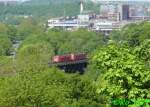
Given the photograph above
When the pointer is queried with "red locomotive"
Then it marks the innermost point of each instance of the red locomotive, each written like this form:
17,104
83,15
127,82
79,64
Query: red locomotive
69,57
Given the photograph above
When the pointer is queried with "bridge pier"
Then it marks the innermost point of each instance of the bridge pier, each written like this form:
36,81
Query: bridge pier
72,68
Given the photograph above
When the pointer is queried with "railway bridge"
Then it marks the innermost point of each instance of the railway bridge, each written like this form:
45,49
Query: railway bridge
77,64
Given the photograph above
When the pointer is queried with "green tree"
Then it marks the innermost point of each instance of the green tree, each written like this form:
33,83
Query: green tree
47,88
6,65
69,42
28,27
134,34
3,28
143,52
34,56
5,44
122,74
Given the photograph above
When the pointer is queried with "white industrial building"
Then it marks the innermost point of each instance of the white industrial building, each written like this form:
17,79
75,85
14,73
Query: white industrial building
83,18
66,23
106,27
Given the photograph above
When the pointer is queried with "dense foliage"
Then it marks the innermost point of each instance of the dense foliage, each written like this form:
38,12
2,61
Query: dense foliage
119,69
134,34
6,65
49,88
123,75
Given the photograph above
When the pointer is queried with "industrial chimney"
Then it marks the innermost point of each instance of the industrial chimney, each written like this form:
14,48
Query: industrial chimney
81,6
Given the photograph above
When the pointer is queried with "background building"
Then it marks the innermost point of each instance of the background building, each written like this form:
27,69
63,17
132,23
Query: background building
125,12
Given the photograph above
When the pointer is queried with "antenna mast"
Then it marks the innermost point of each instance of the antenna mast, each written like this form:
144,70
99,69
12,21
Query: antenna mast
81,6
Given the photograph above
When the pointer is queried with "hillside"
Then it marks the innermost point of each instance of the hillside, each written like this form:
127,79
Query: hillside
57,7
44,8
45,2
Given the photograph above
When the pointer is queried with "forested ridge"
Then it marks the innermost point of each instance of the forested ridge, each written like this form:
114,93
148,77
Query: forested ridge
43,9
119,67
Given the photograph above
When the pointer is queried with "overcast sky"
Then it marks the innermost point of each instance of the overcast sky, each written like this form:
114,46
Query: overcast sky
91,0
120,0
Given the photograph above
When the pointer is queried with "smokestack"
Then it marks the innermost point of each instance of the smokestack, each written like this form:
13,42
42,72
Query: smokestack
81,6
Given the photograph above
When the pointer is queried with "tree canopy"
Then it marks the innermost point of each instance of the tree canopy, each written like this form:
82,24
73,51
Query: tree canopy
118,69
49,88
134,34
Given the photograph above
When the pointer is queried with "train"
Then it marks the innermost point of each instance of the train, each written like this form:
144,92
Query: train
69,58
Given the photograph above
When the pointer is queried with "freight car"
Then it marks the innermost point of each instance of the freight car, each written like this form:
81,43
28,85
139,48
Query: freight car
61,58
68,58
75,57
